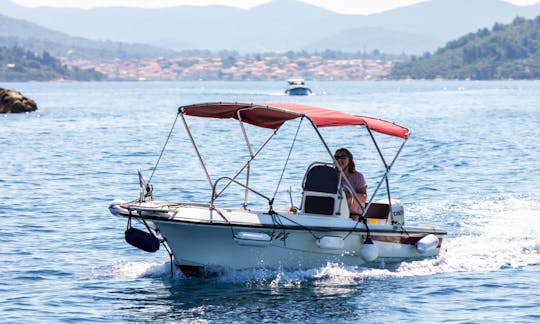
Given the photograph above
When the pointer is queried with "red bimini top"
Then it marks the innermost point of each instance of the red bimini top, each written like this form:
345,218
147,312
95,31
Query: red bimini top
273,115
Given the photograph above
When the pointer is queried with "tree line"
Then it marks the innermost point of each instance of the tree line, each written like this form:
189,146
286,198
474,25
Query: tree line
509,51
19,65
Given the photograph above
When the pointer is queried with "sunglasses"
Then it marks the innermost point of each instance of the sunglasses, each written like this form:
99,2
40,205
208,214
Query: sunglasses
340,157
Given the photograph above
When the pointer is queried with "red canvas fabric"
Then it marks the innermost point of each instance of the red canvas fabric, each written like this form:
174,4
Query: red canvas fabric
273,115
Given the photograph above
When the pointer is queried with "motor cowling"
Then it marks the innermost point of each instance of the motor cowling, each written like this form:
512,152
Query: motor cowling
397,213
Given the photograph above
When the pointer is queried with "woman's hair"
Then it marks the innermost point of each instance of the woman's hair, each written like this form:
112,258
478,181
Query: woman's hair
352,166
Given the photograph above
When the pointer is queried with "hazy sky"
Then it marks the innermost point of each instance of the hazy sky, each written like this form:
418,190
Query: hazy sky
342,6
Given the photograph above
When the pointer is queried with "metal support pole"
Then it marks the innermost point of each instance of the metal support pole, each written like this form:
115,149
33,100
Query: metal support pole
248,170
385,166
347,182
246,165
385,175
197,151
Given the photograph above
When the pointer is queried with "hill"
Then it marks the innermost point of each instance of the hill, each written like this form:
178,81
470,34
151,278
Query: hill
277,25
18,65
505,52
20,33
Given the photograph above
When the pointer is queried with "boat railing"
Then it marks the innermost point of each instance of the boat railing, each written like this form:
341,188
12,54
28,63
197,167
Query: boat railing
232,180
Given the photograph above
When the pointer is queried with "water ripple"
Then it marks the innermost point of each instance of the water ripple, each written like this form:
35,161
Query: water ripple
64,259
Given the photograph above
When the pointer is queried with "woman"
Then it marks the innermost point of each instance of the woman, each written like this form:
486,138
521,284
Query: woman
345,161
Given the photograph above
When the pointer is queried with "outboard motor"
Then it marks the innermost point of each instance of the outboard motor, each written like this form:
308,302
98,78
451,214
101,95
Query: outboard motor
397,213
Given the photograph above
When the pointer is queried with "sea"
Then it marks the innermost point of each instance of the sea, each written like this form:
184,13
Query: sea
470,166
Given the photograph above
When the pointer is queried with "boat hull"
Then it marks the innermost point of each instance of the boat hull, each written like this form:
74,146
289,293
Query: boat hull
215,247
298,91
236,239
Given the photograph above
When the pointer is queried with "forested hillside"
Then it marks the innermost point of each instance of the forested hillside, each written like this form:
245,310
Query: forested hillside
17,65
505,52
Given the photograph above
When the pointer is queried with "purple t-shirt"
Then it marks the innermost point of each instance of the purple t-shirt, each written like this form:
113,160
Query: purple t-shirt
358,182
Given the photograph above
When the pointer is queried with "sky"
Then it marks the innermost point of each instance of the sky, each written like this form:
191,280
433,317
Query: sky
341,6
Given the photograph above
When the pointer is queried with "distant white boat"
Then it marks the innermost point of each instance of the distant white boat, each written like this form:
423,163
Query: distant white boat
297,87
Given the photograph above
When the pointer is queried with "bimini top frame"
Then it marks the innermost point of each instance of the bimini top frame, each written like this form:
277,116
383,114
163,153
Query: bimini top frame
273,115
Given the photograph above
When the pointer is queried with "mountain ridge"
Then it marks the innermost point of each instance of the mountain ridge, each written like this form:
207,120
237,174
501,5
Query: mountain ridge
277,25
20,33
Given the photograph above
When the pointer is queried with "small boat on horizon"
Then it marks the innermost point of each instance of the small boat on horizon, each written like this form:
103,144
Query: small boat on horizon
297,87
204,238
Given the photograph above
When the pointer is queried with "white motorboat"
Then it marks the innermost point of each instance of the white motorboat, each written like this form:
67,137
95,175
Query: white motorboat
204,237
297,87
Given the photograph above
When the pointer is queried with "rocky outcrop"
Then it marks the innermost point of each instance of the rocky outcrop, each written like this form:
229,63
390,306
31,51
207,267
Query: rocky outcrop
12,101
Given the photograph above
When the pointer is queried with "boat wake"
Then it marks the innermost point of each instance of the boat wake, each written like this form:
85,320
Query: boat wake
496,234
133,270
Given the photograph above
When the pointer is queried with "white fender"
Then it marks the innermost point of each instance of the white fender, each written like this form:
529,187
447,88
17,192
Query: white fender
331,242
427,243
252,239
369,251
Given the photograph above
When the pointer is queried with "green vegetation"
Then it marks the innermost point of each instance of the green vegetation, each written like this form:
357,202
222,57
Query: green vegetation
505,52
18,65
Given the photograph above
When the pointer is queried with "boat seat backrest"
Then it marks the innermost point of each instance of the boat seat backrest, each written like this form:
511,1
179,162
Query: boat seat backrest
322,178
321,186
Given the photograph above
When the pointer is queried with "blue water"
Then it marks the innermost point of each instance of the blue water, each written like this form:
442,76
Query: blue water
470,166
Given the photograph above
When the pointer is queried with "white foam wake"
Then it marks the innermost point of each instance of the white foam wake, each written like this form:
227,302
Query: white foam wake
503,233
134,270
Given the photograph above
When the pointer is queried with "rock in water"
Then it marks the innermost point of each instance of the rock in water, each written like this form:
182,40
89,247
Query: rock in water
12,101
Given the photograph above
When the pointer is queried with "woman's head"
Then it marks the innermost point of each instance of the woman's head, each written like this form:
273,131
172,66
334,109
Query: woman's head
345,160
